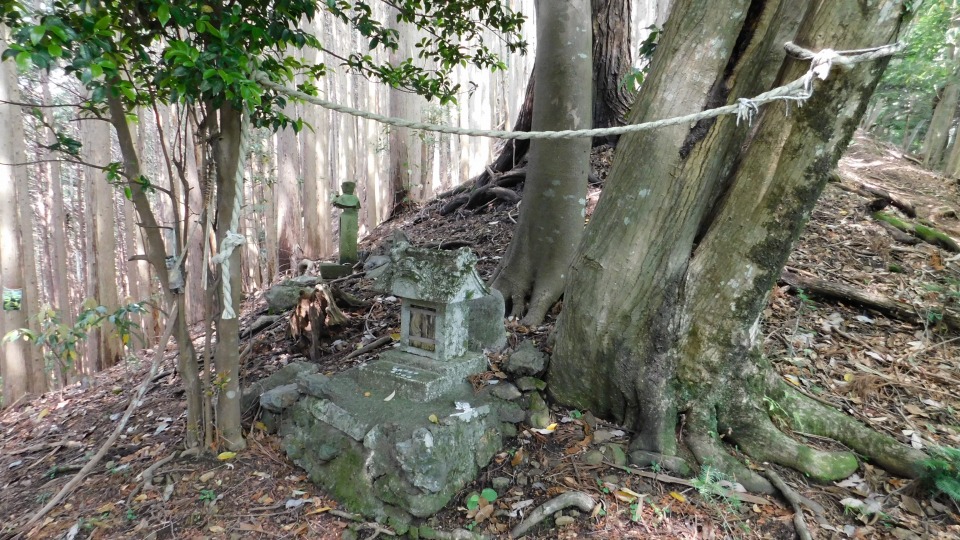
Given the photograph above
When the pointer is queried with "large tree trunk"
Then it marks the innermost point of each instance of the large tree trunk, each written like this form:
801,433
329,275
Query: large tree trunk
227,358
551,215
611,65
14,355
661,310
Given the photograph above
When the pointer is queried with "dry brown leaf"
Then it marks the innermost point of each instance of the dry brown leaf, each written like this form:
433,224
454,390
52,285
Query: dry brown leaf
517,457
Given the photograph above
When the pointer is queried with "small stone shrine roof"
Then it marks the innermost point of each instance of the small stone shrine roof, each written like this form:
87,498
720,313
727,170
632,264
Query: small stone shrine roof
430,275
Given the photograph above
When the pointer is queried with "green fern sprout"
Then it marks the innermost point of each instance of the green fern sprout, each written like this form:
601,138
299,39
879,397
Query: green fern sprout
941,471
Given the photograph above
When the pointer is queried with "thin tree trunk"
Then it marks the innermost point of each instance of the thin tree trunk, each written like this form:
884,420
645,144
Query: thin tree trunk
317,230
14,355
532,273
271,191
227,357
96,150
156,255
288,225
57,231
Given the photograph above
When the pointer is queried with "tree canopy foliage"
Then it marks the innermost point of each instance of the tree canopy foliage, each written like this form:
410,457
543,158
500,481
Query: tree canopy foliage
152,50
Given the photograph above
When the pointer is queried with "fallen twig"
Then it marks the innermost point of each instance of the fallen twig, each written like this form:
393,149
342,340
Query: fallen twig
369,347
147,476
43,446
571,498
134,402
797,501
660,477
893,308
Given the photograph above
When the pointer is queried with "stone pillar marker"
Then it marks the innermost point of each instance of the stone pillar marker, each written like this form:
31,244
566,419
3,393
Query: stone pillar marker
349,203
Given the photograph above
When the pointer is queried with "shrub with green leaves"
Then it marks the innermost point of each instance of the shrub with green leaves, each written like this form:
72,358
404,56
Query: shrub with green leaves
941,472
61,343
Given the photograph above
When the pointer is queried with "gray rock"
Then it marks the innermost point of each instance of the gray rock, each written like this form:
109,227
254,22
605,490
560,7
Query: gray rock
527,360
285,375
510,412
617,454
500,483
528,384
280,398
539,414
601,436
485,322
593,457
506,391
305,281
283,296
313,384
563,521
509,430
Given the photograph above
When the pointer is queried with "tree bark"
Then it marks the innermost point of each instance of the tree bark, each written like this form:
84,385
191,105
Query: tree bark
156,255
661,317
551,214
54,197
96,151
935,142
14,355
288,225
611,65
227,357
317,227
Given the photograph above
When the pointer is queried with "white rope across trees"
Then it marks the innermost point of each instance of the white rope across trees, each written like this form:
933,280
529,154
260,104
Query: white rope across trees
798,91
233,239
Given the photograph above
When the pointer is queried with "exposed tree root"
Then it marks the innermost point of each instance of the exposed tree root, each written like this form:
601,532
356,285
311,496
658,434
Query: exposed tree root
571,498
760,439
797,501
806,415
660,477
758,431
674,464
528,298
703,439
495,189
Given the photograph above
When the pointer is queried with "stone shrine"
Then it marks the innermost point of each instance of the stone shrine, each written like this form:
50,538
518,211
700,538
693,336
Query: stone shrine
399,437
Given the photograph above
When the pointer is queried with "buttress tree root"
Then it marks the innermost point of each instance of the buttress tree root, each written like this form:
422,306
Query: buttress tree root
769,434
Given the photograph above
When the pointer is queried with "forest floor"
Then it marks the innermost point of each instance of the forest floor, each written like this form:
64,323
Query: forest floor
898,376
